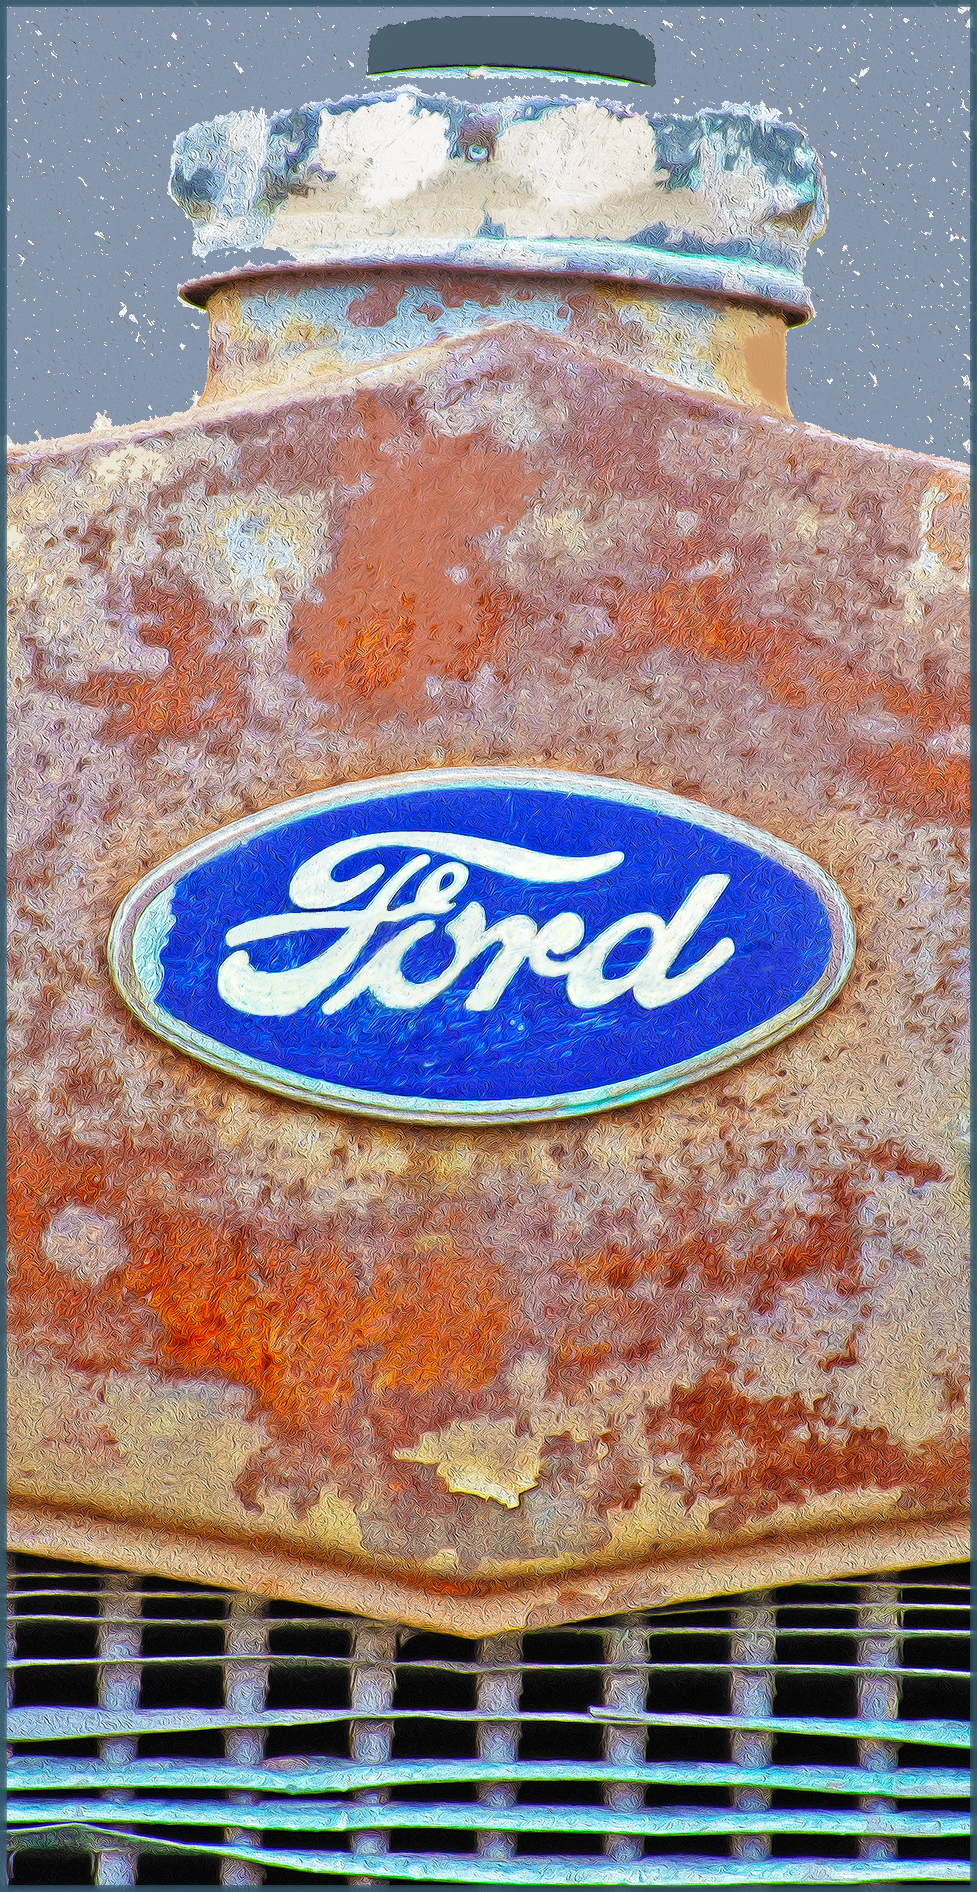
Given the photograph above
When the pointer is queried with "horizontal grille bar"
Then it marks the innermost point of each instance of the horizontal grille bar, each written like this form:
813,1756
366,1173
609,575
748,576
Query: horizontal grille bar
903,1783
694,1626
81,1724
287,1660
552,1870
308,1816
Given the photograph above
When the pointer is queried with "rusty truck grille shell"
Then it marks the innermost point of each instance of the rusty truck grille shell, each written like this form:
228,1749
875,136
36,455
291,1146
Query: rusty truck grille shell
163,1732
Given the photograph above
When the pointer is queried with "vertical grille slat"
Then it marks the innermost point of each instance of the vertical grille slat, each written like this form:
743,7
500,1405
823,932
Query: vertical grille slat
625,1689
119,1649
615,1751
10,1859
751,1692
878,1694
498,1689
246,1690
371,1691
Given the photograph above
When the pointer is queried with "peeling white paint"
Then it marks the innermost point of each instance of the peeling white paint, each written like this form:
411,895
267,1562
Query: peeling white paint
483,1457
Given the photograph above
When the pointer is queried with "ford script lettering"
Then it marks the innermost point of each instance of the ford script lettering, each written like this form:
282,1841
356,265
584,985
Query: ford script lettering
509,943
488,945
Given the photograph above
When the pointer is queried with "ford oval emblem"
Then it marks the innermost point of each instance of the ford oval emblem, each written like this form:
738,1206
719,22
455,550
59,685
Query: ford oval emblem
489,945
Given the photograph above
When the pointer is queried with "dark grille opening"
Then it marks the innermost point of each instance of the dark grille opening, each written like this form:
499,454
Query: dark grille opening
798,1846
196,1745
691,1796
935,1695
58,1750
312,1672
817,1725
283,1876
816,1633
61,1869
809,1750
328,1741
553,1840
198,1683
65,1657
561,1678
702,1846
431,1839
933,1848
797,1797
680,1687
172,1869
433,1677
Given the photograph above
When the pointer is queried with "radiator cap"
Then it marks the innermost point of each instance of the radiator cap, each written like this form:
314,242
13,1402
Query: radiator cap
725,202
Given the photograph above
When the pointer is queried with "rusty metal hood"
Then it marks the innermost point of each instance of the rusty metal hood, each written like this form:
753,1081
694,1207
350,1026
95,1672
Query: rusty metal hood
484,1375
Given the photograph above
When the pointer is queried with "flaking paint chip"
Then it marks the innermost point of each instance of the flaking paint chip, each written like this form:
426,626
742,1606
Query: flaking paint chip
482,1458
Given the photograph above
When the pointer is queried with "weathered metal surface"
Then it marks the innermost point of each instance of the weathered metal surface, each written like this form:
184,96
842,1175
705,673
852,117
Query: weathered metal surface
282,325
725,202
517,1374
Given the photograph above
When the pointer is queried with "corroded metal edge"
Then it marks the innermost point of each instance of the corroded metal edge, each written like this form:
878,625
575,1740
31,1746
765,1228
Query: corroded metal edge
848,1551
728,277
28,456
126,977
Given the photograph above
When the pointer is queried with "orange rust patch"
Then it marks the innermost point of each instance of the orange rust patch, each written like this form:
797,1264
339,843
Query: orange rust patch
346,1368
949,533
273,1313
904,778
621,1305
568,1470
892,1157
292,1324
411,594
94,1329
703,618
377,305
323,1356
287,1318
198,692
954,1388
455,290
785,1451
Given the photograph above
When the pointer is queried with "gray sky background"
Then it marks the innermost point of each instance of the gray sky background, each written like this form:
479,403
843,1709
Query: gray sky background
97,248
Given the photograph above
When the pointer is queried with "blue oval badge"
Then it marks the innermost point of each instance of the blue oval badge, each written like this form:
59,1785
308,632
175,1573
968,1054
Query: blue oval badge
486,944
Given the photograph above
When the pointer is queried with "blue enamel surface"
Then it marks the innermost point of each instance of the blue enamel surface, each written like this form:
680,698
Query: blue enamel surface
534,1043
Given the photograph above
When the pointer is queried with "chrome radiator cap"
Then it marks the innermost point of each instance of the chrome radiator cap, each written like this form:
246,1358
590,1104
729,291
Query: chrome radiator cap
725,202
